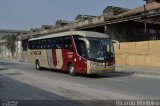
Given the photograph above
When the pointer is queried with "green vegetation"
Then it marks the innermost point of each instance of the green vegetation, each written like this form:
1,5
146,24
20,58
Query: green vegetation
10,43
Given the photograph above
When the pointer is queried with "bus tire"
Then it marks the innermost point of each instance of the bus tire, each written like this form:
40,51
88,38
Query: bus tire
71,69
38,67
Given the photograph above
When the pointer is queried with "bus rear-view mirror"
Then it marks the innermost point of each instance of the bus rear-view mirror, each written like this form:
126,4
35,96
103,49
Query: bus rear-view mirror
115,41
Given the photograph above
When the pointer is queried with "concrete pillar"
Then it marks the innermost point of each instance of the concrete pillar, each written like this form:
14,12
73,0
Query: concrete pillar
5,52
105,29
0,51
16,51
1,47
19,49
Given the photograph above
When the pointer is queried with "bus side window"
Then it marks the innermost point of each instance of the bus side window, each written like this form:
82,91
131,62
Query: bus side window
44,44
48,44
62,42
33,45
58,43
53,43
81,49
30,44
68,43
38,44
76,40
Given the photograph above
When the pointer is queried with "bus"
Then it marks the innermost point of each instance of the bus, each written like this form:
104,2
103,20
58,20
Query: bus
76,52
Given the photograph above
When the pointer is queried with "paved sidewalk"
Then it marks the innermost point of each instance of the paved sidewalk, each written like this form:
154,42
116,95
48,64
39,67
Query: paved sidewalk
13,60
138,70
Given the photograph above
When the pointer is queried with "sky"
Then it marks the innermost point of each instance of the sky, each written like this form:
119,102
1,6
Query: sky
27,14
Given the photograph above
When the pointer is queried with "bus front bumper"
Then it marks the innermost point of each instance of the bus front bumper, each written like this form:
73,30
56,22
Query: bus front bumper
99,70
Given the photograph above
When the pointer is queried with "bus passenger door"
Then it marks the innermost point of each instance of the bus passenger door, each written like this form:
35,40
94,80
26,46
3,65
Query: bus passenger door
81,49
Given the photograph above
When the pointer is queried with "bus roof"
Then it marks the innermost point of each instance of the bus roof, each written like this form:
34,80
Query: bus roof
82,33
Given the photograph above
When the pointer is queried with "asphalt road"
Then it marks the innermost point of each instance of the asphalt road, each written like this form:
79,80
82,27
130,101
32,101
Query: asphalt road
21,81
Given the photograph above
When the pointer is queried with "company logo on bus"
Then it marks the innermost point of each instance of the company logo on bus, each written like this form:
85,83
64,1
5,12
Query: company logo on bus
70,54
35,53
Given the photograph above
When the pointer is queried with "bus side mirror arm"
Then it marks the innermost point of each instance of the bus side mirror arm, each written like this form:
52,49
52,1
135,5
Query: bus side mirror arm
86,41
115,41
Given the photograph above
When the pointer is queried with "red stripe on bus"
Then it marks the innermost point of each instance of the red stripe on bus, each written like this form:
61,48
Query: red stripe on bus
54,57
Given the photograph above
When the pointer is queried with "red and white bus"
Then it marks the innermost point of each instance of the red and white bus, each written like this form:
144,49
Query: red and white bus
81,52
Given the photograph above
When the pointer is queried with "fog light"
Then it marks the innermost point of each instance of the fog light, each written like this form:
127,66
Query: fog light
106,63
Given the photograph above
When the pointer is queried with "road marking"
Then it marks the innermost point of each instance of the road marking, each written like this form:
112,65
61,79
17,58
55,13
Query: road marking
117,80
74,84
147,76
79,85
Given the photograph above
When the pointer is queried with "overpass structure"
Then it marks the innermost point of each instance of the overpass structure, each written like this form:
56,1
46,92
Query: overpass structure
110,21
139,24
4,32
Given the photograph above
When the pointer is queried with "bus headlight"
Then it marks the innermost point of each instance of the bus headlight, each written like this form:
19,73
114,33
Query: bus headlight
92,65
105,64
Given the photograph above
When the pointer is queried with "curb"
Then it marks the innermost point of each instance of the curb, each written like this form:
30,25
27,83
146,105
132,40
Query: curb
14,61
139,70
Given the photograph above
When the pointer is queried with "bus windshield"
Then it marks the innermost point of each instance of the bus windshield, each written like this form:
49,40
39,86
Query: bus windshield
100,49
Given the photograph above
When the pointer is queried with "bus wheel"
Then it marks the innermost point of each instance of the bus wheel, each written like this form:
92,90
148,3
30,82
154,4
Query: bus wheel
71,70
38,65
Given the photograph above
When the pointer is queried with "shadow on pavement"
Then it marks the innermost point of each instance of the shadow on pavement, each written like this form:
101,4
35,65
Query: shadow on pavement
28,95
8,63
110,75
3,69
53,70
105,75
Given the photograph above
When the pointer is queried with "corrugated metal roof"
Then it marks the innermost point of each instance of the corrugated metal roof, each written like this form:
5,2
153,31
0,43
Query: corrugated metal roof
139,10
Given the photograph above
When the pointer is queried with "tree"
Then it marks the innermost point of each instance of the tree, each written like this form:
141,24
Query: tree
10,43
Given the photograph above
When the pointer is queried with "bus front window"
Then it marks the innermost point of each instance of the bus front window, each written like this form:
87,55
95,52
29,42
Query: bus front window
100,49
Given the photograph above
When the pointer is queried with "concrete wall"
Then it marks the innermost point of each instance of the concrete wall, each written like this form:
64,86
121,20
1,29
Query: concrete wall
146,54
